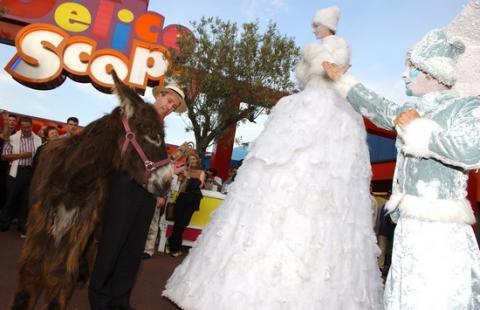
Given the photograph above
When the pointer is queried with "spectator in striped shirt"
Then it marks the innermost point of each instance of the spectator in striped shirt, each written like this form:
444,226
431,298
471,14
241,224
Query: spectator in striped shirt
19,151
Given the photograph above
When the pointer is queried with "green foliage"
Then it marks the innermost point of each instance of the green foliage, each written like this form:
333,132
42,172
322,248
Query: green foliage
222,65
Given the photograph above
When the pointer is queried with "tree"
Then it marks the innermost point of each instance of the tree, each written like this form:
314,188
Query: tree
219,67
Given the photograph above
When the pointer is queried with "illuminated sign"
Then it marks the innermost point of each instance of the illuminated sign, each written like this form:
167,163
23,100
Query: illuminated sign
85,39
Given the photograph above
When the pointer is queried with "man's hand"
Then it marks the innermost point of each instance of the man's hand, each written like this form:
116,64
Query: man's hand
25,154
333,71
404,118
12,157
160,202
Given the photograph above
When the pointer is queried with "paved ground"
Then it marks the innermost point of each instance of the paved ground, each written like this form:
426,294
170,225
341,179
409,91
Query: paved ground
151,279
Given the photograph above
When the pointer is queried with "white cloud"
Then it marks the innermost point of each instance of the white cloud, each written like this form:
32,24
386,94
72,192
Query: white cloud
278,3
248,132
38,108
391,90
175,129
89,90
264,9
6,79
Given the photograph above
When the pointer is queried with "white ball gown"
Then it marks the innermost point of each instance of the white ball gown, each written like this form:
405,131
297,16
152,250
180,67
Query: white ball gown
295,231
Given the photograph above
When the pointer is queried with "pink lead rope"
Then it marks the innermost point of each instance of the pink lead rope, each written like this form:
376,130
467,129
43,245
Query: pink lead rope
130,139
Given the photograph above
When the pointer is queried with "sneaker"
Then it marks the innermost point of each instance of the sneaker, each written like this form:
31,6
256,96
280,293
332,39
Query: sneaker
176,254
145,255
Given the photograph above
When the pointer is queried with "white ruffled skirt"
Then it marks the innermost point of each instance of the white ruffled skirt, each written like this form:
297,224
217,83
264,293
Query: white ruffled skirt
295,231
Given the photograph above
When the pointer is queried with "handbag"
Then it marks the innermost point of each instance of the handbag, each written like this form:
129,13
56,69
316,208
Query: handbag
170,211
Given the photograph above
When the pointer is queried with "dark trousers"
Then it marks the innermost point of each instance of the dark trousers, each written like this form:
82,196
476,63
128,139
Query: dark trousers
182,216
16,202
125,224
4,168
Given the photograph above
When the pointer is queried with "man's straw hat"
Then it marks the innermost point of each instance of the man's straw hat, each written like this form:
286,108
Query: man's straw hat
174,89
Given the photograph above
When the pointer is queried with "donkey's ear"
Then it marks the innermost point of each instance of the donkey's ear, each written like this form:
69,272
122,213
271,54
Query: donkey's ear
129,99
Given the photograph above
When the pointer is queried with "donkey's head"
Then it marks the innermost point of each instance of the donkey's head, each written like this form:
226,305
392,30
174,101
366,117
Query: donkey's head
147,136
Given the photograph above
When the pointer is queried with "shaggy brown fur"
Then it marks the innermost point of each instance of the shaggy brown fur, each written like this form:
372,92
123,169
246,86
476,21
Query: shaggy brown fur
69,190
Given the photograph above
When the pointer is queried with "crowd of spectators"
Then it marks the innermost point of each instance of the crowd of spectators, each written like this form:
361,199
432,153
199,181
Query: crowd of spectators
19,156
190,178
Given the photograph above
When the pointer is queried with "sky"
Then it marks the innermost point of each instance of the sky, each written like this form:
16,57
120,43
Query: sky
379,33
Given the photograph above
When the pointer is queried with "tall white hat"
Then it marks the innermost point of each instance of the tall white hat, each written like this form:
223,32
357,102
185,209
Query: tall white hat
328,17
466,26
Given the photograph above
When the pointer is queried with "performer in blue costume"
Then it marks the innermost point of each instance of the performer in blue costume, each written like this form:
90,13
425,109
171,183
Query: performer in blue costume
436,260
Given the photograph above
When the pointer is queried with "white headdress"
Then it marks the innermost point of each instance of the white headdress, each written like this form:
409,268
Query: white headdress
466,26
328,17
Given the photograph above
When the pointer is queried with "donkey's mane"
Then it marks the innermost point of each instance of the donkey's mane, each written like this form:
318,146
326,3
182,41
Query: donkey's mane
68,167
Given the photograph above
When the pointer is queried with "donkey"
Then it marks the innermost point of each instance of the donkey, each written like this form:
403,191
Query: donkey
70,189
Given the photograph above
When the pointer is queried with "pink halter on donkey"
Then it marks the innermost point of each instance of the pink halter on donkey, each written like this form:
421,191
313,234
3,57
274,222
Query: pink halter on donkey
130,139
